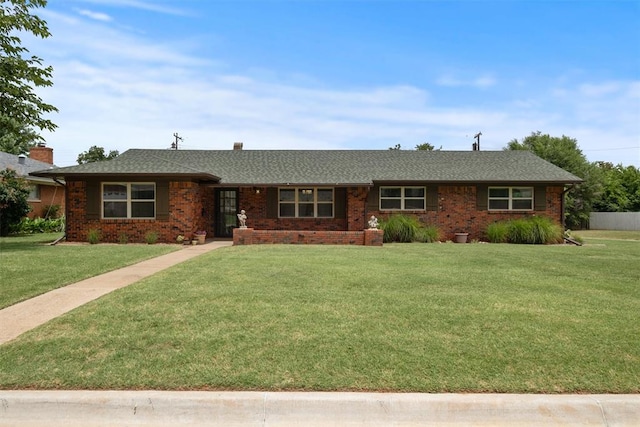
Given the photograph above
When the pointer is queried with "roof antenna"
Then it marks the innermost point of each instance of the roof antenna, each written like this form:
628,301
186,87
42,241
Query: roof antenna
174,144
476,145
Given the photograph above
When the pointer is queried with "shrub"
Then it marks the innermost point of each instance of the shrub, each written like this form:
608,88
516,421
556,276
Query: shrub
406,229
428,234
123,238
38,225
533,230
151,237
51,211
93,236
400,228
498,232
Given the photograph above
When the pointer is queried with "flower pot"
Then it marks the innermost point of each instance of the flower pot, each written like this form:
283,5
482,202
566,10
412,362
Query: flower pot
461,237
200,238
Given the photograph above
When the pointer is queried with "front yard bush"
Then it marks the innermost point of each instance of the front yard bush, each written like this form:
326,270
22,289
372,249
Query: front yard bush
407,229
38,225
533,230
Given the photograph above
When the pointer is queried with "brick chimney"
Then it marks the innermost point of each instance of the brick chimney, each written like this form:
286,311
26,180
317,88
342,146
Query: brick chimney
41,153
237,146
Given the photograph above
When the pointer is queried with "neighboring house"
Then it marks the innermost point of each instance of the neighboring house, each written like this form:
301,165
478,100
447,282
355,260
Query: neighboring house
45,191
318,196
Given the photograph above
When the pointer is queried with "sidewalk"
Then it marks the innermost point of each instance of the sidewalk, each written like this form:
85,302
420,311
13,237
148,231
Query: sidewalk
19,318
160,408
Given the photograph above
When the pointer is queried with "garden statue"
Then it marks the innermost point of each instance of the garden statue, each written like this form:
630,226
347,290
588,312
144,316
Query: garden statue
373,223
242,217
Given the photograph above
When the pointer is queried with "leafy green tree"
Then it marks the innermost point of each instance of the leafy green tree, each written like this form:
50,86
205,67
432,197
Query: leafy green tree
621,188
396,147
565,153
425,146
96,154
21,110
14,192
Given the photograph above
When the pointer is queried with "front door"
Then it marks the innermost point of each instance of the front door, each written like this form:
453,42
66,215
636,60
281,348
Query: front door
226,211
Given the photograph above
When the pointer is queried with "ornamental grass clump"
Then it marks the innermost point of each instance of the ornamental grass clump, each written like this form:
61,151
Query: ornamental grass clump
533,230
407,229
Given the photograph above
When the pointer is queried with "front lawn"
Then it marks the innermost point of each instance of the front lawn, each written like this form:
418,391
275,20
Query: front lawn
29,266
404,317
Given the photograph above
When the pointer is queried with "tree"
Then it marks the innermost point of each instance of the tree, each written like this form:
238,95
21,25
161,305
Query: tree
397,147
425,146
21,110
565,153
14,192
96,154
621,188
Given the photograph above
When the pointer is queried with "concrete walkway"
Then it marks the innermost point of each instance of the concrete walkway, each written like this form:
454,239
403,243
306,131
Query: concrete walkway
160,408
19,318
175,408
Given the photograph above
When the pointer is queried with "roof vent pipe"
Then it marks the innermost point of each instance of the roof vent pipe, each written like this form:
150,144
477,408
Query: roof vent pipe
237,146
21,159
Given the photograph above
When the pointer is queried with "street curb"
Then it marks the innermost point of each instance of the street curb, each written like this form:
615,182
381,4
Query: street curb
162,408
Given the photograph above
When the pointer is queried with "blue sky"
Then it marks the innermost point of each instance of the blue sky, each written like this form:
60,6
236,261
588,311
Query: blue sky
342,74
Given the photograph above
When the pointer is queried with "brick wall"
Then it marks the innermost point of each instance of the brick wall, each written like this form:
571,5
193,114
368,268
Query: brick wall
457,212
249,236
49,195
186,207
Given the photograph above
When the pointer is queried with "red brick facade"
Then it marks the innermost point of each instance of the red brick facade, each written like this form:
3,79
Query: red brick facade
49,195
192,207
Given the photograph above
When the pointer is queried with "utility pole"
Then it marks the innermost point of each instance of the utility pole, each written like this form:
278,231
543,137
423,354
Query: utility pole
476,145
174,145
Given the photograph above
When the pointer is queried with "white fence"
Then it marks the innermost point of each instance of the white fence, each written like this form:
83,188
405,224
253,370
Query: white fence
614,221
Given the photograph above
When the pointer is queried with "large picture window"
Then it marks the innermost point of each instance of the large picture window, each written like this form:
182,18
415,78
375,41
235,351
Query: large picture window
510,198
308,202
128,200
402,198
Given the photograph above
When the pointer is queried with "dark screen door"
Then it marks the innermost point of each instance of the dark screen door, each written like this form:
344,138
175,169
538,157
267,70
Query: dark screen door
226,211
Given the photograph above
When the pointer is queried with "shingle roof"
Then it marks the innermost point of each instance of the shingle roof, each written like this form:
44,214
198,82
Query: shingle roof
11,161
346,167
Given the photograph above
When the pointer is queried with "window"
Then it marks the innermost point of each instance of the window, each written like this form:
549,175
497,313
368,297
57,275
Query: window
402,198
34,194
511,199
128,200
307,202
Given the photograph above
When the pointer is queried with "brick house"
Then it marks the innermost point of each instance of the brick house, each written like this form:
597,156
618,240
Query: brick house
45,191
305,196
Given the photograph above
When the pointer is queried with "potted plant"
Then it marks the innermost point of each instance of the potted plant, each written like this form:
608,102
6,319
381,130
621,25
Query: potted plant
200,236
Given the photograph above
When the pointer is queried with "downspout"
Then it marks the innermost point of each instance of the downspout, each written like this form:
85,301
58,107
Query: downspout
64,236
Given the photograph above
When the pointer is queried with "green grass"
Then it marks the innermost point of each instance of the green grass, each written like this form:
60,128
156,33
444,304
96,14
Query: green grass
30,267
404,317
608,234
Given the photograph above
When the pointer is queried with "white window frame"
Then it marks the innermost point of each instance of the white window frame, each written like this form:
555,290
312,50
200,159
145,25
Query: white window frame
129,201
403,198
510,198
296,202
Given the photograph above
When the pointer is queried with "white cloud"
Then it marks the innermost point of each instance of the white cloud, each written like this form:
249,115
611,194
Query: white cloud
98,16
142,5
480,82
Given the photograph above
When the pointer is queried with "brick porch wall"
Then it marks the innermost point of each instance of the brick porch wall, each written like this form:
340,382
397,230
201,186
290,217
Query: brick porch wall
249,236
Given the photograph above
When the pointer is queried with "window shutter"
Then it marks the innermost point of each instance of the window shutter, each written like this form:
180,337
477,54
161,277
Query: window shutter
540,198
162,200
373,199
93,200
272,203
340,202
432,198
482,197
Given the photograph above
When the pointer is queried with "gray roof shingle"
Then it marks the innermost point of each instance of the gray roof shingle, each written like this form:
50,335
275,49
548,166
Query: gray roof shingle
345,167
11,161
